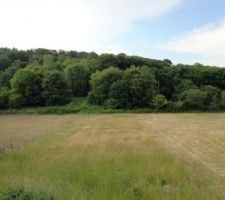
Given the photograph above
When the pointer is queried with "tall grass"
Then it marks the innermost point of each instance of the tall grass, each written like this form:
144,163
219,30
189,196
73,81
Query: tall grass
104,158
78,105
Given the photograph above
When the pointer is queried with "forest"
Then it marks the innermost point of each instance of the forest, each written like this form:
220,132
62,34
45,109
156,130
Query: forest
42,77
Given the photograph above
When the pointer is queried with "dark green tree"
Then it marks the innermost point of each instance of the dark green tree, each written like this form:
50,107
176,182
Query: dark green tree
120,94
78,76
56,90
213,101
101,82
223,99
27,83
194,99
4,98
142,85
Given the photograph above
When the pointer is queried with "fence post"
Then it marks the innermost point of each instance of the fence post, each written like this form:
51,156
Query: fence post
2,150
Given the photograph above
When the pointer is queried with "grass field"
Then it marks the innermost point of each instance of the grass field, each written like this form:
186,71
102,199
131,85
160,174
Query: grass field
119,156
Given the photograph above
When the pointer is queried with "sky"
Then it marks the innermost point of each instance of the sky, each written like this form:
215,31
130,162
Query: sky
185,31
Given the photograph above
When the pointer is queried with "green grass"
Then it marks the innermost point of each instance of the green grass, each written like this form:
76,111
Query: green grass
78,105
23,194
123,175
104,158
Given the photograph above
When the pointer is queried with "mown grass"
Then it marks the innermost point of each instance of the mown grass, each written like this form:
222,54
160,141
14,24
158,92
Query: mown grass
104,157
18,130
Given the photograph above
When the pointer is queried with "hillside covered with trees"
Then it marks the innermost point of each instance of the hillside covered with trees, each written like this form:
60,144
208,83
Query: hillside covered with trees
41,77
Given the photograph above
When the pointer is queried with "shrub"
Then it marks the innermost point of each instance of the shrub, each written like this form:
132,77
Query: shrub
174,106
159,101
112,103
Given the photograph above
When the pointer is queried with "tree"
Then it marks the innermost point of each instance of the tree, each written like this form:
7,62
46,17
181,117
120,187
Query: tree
4,98
213,101
142,85
159,101
56,89
16,100
168,79
106,60
194,99
123,62
78,76
120,94
48,61
101,82
185,84
223,99
27,83
6,76
167,62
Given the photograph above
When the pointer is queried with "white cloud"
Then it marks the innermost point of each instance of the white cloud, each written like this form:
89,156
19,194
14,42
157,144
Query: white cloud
73,24
208,43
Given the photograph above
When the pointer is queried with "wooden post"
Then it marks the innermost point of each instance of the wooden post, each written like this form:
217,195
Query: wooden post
2,150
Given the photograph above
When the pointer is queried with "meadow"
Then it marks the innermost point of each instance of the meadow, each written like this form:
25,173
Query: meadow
115,156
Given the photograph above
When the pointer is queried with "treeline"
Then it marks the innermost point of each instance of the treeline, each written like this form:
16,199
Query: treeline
41,77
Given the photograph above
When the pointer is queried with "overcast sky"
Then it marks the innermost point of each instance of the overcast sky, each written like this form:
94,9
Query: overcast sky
186,31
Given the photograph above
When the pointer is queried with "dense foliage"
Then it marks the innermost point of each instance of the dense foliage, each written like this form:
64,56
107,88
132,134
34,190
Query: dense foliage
41,77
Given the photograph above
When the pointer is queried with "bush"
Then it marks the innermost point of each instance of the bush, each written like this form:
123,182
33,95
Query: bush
4,98
159,101
174,106
112,103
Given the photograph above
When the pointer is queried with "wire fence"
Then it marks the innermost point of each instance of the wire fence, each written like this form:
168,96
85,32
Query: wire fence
9,147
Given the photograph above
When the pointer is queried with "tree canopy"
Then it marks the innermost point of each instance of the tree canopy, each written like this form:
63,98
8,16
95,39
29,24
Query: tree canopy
43,77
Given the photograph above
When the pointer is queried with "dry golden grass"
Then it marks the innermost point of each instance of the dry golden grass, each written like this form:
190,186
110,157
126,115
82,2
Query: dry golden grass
93,145
15,129
193,137
196,138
